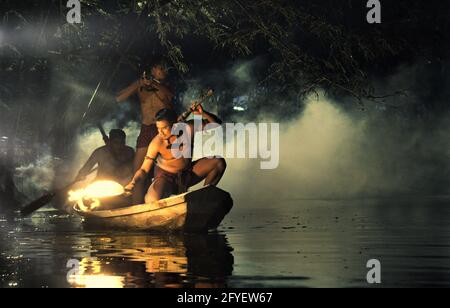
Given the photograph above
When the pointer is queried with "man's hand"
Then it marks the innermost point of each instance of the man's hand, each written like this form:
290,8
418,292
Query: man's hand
144,82
149,84
196,110
130,187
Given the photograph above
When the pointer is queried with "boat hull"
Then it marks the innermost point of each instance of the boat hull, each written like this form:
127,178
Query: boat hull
197,211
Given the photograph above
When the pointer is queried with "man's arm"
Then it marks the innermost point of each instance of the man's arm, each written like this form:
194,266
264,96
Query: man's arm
86,169
208,118
149,160
211,118
127,92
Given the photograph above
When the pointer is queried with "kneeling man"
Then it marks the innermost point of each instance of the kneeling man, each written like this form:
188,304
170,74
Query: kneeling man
174,175
114,160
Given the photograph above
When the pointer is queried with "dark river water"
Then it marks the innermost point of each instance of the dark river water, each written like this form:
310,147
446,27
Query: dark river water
295,243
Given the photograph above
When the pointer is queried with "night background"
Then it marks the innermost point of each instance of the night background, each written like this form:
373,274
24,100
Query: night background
364,121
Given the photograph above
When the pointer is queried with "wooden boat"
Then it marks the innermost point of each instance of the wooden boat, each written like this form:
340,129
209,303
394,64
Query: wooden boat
197,211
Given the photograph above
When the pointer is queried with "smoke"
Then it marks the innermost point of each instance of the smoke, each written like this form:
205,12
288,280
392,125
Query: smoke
329,148
329,152
48,172
334,149
34,178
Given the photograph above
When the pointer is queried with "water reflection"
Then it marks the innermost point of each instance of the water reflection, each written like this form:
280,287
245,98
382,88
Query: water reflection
156,261
35,253
298,243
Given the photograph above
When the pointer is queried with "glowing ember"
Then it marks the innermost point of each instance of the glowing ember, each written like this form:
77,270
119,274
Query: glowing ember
88,198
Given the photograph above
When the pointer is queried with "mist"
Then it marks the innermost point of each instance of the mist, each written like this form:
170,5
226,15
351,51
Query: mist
335,148
329,147
330,153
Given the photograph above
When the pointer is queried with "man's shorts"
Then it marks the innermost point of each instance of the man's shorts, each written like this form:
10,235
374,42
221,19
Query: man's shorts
177,183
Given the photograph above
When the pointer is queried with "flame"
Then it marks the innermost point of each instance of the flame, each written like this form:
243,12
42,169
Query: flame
94,192
104,189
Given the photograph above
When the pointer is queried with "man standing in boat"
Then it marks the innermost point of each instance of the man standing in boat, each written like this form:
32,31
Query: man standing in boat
114,160
175,175
154,94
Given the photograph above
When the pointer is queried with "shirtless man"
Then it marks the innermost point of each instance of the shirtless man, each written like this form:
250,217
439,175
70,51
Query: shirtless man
175,175
154,95
114,160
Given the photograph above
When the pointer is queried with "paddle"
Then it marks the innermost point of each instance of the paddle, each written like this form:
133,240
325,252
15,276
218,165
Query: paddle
102,131
47,198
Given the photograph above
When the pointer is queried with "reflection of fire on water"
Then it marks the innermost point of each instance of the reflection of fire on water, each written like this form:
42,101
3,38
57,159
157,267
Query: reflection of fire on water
156,259
95,279
88,198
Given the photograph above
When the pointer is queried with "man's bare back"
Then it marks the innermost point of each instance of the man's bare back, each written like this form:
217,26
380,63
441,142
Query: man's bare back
112,167
115,167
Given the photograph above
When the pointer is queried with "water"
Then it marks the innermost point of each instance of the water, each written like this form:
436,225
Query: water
293,243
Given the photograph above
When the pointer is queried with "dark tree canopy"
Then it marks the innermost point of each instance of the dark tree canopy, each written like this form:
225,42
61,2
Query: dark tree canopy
49,68
308,44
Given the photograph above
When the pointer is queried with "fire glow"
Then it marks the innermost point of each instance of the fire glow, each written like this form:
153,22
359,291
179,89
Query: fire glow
89,198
